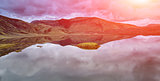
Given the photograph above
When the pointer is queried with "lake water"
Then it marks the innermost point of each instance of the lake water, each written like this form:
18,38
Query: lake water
129,59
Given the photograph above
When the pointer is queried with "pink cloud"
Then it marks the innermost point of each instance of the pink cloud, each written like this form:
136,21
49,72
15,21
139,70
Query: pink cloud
106,9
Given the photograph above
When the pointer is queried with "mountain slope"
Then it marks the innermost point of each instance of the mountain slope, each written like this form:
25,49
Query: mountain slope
9,26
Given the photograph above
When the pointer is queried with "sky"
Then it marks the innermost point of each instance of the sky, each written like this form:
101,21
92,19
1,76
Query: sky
116,10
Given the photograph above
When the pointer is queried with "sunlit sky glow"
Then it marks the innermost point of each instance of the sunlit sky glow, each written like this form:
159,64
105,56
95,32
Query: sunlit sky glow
138,2
114,10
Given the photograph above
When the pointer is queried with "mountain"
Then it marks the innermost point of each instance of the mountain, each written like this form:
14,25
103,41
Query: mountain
9,26
79,25
90,25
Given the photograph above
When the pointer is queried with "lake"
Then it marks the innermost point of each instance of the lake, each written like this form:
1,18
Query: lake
120,58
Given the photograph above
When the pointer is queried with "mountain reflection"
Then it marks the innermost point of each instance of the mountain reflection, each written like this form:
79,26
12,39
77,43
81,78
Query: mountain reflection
17,44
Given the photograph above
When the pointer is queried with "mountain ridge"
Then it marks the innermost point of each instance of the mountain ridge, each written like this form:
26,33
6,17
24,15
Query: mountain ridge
78,25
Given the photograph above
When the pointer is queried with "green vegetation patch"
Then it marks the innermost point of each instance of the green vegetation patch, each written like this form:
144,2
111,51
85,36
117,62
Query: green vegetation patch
88,45
4,46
